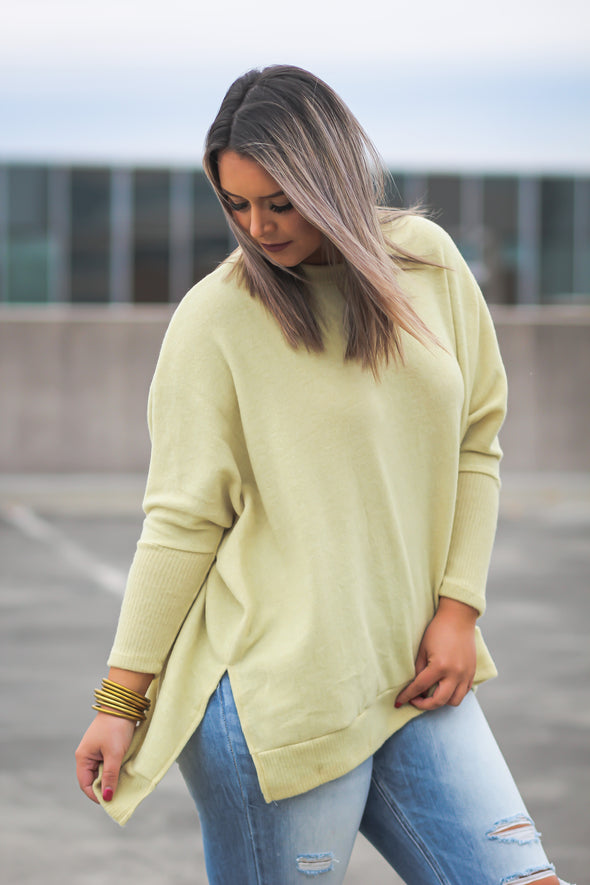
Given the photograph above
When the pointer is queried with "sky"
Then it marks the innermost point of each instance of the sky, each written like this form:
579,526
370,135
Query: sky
451,85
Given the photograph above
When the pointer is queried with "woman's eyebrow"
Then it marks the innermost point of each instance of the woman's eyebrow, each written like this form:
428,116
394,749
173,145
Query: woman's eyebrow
267,197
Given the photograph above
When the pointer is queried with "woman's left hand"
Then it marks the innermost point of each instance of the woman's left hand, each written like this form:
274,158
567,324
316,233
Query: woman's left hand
446,658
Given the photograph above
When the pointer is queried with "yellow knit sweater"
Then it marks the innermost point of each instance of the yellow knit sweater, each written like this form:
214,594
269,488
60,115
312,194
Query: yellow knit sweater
302,520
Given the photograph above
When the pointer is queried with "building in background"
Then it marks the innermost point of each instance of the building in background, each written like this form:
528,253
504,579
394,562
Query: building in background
92,235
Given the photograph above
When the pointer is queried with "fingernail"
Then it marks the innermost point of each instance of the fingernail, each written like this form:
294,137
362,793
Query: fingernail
107,794
398,704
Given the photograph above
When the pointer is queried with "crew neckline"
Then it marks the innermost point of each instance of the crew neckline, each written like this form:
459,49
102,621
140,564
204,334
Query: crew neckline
322,272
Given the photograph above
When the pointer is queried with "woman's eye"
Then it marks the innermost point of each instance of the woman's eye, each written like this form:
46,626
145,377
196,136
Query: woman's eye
284,208
242,206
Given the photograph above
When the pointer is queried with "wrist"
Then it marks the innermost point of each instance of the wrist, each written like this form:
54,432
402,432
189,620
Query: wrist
116,699
457,610
107,713
138,682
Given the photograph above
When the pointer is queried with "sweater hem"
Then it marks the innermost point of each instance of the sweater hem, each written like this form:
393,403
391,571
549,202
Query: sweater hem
289,771
298,768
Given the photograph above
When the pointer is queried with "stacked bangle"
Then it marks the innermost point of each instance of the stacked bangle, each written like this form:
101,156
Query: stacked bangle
116,700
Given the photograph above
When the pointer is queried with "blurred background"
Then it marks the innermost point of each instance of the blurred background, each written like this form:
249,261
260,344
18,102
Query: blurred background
481,112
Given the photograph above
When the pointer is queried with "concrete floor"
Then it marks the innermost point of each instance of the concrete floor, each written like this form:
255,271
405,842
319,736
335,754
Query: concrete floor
65,544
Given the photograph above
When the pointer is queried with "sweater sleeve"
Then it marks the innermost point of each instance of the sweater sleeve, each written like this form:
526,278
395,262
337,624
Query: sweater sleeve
476,508
193,491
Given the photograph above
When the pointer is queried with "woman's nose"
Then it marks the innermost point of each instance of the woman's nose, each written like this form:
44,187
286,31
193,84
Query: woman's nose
260,223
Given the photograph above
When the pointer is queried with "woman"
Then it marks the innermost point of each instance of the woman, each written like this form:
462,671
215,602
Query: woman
320,511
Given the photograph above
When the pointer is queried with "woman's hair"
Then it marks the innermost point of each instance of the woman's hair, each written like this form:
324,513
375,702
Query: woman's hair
303,135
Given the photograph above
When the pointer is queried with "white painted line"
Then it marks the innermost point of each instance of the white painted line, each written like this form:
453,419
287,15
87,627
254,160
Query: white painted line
89,566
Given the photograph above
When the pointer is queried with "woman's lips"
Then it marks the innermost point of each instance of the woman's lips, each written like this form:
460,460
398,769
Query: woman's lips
275,247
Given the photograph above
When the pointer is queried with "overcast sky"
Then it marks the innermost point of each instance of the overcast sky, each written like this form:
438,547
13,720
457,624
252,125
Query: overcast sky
437,83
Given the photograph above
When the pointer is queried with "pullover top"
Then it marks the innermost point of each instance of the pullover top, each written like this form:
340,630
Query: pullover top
303,518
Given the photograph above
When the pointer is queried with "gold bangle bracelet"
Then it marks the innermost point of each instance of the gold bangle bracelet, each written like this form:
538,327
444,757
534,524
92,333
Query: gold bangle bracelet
108,701
130,718
117,700
126,714
144,703
107,692
115,686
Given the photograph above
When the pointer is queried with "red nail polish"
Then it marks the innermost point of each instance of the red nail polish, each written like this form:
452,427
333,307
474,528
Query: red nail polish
397,704
107,794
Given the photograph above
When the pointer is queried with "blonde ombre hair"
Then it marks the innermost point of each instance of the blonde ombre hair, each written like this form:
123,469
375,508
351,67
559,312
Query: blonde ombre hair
303,135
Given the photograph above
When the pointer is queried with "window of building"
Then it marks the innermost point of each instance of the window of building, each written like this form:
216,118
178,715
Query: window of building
89,236
581,281
27,248
443,198
395,190
557,239
151,239
500,218
211,233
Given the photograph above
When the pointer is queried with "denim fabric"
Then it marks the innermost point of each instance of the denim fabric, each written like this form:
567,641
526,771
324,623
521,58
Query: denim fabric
437,800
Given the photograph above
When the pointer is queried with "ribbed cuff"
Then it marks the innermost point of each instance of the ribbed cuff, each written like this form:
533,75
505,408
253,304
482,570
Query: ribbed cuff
474,529
162,585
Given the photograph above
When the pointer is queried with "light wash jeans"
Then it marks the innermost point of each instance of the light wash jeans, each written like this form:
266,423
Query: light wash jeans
437,800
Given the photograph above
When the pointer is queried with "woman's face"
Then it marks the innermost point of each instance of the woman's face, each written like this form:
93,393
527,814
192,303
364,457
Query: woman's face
261,209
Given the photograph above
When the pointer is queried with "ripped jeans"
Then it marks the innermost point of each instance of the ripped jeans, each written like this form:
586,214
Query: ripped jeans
437,800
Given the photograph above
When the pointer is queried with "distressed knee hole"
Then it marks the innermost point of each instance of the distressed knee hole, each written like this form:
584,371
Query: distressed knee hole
315,864
519,829
545,874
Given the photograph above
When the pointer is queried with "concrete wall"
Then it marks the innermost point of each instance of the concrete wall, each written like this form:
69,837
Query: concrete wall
74,382
546,351
73,387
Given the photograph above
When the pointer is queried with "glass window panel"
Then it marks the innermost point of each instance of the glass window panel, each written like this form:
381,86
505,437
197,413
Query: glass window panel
181,233
395,190
27,247
90,239
500,212
443,198
151,229
27,197
211,233
414,189
557,236
581,275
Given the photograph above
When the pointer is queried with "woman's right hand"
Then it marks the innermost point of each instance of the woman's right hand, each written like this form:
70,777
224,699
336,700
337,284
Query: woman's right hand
106,740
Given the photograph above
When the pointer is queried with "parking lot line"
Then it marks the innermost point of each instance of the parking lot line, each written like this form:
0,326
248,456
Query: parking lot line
30,524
